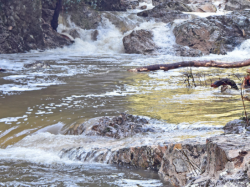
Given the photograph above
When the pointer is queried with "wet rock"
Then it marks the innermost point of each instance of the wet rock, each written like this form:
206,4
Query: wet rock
227,161
214,34
81,14
2,70
117,127
139,42
37,65
235,127
186,51
110,5
167,12
21,32
143,7
94,35
130,4
203,7
75,33
237,4
47,15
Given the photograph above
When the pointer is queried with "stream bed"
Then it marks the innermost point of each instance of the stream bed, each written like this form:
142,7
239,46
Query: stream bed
89,80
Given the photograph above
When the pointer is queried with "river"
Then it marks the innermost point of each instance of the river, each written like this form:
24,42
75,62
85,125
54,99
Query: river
90,79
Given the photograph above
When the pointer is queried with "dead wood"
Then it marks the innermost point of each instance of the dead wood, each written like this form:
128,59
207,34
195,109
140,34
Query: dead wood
176,65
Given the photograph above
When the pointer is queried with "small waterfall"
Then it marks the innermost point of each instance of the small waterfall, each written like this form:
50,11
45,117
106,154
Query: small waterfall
80,154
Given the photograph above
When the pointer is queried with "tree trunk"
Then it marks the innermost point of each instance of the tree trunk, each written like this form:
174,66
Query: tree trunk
211,63
54,22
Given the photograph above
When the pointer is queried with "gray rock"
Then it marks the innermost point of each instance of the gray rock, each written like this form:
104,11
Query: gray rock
37,65
21,32
139,42
186,51
180,165
237,4
214,34
167,12
117,127
235,127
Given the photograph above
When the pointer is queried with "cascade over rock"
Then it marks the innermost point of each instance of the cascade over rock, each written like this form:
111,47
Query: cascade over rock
80,14
214,34
221,160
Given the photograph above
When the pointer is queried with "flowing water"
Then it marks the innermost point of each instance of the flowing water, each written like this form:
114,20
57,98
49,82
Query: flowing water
90,79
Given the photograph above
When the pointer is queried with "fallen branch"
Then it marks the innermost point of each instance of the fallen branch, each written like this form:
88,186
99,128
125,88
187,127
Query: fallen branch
176,65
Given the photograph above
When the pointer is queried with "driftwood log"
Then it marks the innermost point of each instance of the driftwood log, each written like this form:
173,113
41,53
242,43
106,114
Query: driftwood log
176,65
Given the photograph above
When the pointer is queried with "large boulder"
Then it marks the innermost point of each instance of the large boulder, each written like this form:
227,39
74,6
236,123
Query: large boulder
235,127
214,34
185,51
139,42
237,4
228,159
22,27
117,127
81,14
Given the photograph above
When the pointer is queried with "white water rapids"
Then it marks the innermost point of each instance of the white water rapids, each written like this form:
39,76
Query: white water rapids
88,80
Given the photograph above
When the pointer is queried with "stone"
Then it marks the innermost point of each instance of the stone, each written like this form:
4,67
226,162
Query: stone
117,127
94,35
21,32
235,127
158,2
143,7
237,4
227,161
167,12
180,165
81,14
214,34
74,33
186,51
130,4
203,7
139,42
37,65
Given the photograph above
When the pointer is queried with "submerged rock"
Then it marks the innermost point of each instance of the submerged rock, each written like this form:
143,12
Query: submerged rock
117,127
37,65
214,34
139,42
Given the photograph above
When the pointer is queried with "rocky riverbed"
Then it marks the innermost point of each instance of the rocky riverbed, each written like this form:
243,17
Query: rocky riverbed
218,161
61,99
